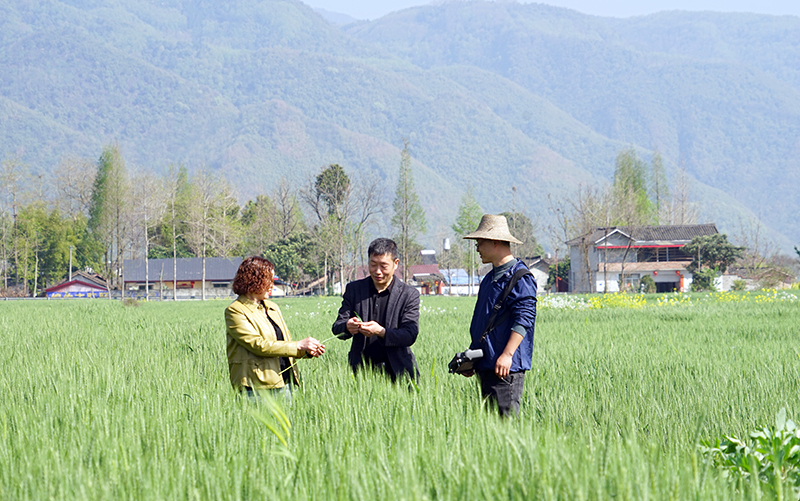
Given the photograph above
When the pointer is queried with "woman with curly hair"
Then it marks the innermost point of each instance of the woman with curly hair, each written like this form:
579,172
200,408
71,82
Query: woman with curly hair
261,352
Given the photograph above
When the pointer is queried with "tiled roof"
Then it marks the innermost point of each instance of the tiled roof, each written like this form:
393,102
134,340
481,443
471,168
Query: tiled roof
76,282
218,269
541,262
640,234
91,278
428,257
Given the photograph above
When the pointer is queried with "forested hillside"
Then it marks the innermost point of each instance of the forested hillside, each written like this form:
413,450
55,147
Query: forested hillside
489,95
715,92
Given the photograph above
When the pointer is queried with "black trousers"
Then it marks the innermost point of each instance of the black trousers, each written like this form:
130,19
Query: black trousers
505,393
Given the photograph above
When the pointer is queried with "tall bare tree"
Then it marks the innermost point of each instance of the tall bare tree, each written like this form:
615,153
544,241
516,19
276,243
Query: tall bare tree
177,192
327,196
409,217
13,176
659,189
366,206
591,207
467,220
682,209
73,180
259,221
761,257
29,234
289,213
522,227
341,216
147,199
211,211
227,228
6,226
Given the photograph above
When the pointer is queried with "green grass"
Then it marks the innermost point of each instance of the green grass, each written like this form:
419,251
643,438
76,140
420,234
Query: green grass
101,401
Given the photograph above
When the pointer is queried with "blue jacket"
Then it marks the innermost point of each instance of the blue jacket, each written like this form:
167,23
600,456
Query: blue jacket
521,302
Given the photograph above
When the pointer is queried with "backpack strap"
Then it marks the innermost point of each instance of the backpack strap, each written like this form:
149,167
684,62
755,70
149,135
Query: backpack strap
491,324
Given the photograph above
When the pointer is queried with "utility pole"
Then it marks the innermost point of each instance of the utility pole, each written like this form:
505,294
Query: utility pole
557,269
446,248
70,263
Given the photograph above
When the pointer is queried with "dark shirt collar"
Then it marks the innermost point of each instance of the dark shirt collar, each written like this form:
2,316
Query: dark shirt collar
374,290
499,271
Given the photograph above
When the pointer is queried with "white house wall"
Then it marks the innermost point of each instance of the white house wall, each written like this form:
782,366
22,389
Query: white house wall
613,281
577,273
541,280
80,288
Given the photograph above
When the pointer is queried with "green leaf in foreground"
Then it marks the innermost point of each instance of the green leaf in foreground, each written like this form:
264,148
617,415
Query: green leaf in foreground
771,458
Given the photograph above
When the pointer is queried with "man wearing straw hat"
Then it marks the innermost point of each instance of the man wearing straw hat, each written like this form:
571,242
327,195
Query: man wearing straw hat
508,346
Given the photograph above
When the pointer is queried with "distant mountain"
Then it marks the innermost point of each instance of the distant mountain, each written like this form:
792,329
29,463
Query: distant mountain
716,92
491,95
336,18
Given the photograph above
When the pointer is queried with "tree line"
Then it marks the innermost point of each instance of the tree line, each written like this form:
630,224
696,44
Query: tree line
94,215
641,195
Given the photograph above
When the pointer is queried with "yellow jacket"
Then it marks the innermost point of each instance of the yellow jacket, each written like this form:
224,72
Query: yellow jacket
253,348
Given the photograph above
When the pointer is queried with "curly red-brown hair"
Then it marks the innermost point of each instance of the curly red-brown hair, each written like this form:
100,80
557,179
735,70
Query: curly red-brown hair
254,276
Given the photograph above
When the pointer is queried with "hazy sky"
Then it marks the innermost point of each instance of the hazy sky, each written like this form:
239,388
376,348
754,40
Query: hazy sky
373,9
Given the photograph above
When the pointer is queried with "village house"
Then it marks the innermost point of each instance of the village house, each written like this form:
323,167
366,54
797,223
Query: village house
540,267
82,284
184,278
614,258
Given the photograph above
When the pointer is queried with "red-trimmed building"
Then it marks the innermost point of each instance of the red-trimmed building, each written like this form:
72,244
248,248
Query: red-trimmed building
614,258
82,285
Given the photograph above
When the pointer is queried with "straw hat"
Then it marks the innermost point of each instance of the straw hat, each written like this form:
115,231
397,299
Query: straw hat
493,228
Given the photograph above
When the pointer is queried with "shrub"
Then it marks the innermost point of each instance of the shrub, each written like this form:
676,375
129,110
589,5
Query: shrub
738,285
703,280
647,284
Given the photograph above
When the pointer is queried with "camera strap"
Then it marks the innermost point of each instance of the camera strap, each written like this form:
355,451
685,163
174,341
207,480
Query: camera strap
493,321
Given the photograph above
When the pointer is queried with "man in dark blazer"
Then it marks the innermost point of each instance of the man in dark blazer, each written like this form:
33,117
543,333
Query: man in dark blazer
381,314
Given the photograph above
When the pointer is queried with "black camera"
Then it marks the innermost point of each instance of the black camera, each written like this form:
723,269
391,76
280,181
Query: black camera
464,361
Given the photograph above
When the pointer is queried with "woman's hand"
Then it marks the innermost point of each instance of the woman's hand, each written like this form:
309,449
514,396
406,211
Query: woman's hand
311,346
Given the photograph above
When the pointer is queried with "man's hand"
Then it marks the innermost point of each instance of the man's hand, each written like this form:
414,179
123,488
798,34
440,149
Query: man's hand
503,365
353,325
372,328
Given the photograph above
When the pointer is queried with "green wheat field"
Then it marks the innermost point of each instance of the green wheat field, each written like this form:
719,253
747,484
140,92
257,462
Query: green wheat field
106,401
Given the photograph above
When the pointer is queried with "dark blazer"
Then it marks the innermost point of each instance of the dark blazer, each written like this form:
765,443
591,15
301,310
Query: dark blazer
402,324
